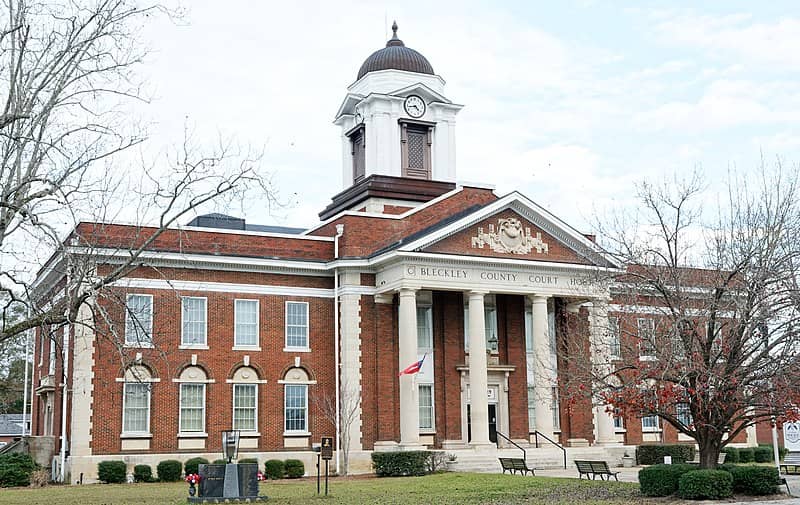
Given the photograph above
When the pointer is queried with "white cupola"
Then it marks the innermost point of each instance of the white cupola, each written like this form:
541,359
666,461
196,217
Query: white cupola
395,119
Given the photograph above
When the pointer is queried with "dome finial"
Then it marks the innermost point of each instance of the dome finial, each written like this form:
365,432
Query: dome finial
394,41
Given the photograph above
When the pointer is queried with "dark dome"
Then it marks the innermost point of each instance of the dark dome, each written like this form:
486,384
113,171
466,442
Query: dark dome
395,56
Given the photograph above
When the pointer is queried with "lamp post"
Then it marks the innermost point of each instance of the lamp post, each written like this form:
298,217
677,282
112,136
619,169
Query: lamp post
230,444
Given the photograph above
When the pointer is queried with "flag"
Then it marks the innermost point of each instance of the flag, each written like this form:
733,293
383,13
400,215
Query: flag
414,367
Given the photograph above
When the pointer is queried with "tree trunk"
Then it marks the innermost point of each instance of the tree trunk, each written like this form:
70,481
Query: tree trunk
709,451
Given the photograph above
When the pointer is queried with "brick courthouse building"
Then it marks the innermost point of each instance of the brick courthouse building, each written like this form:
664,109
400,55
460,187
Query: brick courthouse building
230,325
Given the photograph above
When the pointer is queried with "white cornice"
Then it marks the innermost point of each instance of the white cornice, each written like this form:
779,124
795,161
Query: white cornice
222,287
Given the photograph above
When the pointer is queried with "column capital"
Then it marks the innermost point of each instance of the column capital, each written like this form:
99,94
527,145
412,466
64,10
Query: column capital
403,292
537,298
476,293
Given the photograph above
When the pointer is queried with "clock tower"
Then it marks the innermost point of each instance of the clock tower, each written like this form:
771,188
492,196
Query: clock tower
396,123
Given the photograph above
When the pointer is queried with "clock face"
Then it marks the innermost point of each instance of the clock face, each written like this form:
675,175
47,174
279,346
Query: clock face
415,106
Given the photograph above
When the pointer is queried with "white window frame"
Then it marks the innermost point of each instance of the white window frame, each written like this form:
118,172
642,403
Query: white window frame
686,415
288,347
651,429
202,430
432,427
619,421
286,408
248,347
427,311
614,340
148,342
149,387
194,345
489,324
555,406
244,431
643,356
531,394
51,365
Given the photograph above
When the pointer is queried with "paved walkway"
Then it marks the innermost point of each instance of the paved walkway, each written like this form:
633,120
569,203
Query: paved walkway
632,475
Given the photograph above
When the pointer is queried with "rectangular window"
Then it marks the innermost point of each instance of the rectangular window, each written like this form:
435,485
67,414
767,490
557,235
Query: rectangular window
531,408
297,325
490,327
615,346
714,330
296,407
51,368
647,336
528,329
556,409
139,320
245,331
683,414
194,321
136,408
425,407
650,423
424,329
619,422
245,406
193,408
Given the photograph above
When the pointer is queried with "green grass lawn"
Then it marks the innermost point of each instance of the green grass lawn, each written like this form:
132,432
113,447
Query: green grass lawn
441,489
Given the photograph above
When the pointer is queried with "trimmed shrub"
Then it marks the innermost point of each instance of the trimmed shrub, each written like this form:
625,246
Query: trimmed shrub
112,472
401,463
220,462
142,473
169,470
274,469
705,485
746,455
294,468
755,480
781,450
654,454
248,461
661,480
192,465
732,454
16,469
763,454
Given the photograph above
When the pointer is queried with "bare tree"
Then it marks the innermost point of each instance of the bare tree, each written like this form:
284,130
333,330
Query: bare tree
717,349
347,413
68,77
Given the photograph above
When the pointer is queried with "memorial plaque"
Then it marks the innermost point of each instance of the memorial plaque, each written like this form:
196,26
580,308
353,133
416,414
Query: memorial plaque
248,480
326,448
212,480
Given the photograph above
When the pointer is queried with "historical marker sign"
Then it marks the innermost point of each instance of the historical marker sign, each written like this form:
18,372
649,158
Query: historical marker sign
326,448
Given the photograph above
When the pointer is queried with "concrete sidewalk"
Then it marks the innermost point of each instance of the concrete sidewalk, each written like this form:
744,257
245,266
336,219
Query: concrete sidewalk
632,475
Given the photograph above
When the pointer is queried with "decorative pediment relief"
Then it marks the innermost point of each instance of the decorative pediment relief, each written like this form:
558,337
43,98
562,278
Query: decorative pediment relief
510,237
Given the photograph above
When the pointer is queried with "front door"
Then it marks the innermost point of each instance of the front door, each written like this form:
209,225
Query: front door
493,422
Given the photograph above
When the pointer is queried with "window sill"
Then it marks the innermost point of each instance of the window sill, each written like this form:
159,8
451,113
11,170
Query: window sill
296,349
193,346
192,434
255,348
249,434
651,430
648,358
138,346
296,433
620,430
135,435
427,431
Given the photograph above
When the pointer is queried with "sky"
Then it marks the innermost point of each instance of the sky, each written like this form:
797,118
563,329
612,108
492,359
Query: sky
571,102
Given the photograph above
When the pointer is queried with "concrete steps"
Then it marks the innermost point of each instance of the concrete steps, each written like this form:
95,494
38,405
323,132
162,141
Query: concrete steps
486,460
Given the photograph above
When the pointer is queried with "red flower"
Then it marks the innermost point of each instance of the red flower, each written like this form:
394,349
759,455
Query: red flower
193,478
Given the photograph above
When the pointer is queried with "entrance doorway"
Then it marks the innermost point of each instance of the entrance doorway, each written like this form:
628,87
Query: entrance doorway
492,423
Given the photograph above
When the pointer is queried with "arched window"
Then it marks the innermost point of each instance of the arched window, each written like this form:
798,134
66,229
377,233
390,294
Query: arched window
137,387
295,401
245,399
192,410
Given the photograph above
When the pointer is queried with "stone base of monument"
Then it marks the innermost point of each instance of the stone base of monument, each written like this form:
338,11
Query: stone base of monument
232,483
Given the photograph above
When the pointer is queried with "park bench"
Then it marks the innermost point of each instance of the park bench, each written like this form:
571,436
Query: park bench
595,468
696,460
792,459
515,465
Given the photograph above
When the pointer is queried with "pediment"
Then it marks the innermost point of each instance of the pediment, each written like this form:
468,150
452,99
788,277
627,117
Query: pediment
422,90
513,228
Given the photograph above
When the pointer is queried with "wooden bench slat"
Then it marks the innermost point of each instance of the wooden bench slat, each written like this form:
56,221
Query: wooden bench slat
594,468
514,465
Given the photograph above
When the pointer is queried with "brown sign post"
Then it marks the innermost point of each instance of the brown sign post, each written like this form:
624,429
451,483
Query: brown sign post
326,451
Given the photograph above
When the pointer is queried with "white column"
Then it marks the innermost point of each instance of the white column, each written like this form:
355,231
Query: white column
543,368
600,347
478,381
350,349
409,406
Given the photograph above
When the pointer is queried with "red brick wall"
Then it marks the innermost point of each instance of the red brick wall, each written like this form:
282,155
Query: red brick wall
448,338
220,361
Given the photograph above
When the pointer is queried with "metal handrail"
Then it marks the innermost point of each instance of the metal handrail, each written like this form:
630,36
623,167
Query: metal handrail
524,454
536,437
